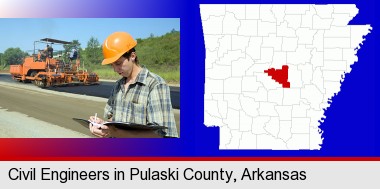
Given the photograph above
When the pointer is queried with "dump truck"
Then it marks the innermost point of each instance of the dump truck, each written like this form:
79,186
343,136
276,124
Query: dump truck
45,70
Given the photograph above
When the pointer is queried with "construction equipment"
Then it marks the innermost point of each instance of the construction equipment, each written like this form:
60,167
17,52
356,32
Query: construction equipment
44,70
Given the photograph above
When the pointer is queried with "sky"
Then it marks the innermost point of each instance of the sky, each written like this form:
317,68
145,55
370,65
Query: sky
22,32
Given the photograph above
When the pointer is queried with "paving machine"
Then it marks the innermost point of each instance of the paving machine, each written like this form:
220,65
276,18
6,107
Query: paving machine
45,70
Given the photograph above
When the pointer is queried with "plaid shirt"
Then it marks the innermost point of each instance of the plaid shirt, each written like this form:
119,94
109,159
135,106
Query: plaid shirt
147,100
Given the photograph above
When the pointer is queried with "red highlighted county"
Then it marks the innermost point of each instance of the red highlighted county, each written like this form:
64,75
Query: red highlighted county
280,75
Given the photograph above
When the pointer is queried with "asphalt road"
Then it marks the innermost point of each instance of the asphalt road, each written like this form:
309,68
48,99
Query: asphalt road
102,90
23,101
51,108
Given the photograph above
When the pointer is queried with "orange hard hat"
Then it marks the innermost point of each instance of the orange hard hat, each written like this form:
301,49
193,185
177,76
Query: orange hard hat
116,45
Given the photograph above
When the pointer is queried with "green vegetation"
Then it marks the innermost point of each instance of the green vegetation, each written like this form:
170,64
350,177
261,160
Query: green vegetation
11,56
4,69
160,52
161,55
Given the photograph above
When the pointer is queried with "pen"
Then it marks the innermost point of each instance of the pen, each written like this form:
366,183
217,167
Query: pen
95,121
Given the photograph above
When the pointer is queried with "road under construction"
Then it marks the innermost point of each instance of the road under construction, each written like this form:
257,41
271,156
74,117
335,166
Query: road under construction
25,108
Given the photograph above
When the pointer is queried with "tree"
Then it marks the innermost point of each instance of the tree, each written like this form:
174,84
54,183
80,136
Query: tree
68,47
161,52
139,40
93,52
13,56
74,43
1,60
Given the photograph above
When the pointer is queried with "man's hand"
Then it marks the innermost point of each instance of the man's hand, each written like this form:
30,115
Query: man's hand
97,128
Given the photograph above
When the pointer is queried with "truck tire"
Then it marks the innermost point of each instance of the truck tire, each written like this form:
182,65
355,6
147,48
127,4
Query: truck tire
41,83
44,82
34,73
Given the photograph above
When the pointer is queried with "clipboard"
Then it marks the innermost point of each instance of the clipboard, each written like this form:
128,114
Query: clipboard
123,125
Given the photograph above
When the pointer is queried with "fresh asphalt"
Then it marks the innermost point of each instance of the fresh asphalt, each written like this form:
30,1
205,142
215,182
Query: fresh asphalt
102,90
